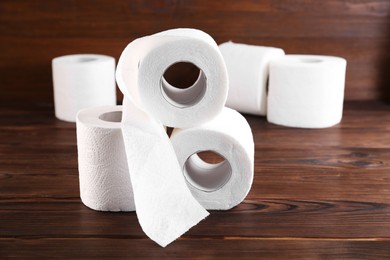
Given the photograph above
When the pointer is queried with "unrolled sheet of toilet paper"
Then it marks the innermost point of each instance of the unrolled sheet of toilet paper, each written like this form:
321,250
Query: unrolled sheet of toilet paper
103,172
306,91
165,206
248,68
223,185
81,81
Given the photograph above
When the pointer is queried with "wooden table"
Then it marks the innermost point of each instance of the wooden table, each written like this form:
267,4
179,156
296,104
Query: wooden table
316,194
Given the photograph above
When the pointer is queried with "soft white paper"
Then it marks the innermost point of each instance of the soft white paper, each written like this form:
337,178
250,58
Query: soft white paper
248,68
103,172
148,58
82,81
306,91
165,207
229,135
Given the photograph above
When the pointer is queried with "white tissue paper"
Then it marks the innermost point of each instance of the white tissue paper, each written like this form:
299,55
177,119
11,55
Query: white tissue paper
223,185
248,68
103,172
306,91
152,55
164,204
81,81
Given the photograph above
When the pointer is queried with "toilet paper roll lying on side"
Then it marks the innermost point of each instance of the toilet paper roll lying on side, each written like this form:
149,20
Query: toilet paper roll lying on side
248,68
224,185
81,81
103,172
149,57
306,91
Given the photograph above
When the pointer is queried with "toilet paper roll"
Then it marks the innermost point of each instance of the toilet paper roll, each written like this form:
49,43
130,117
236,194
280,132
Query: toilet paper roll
306,91
223,185
248,68
81,81
165,206
149,57
103,172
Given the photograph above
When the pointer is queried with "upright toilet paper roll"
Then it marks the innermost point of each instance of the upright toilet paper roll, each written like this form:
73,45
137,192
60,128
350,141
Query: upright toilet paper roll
103,172
248,68
306,91
81,81
149,57
165,206
224,185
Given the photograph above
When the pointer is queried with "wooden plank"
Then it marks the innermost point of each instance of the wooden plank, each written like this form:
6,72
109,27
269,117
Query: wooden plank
301,180
32,33
78,19
266,218
224,248
302,176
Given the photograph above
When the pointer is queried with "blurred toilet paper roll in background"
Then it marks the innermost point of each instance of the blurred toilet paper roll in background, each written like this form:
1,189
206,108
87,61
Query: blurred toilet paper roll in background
223,185
306,91
248,68
103,172
81,81
149,57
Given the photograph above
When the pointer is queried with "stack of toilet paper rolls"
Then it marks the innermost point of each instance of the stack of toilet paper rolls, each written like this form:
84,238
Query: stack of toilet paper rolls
304,91
126,159
127,162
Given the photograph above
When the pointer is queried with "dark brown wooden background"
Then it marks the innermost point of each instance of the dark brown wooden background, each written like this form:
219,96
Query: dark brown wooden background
34,32
317,194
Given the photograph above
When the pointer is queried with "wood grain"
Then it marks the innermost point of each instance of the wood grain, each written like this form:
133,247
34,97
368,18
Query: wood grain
34,32
316,194
196,249
263,218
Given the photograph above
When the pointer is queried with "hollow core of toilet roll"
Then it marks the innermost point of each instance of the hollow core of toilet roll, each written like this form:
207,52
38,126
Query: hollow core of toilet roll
86,59
114,116
206,176
310,60
184,97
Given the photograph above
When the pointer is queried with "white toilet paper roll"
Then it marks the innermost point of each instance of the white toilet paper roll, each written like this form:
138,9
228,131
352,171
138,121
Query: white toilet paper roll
248,68
149,57
306,91
165,206
103,172
223,185
81,81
